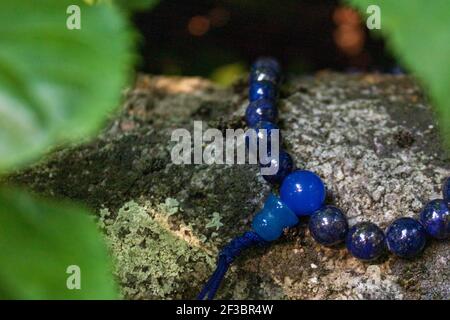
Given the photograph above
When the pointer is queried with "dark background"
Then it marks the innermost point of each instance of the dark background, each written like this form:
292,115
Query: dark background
219,39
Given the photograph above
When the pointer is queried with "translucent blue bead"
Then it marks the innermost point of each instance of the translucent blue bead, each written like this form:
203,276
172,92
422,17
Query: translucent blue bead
267,62
446,191
328,226
262,90
365,241
303,192
281,166
260,110
406,237
273,218
435,217
264,74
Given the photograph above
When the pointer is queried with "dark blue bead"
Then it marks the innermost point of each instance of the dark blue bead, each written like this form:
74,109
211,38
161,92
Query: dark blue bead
260,110
273,218
262,90
435,217
267,62
281,166
328,226
262,138
406,237
303,192
263,74
446,191
365,241
265,131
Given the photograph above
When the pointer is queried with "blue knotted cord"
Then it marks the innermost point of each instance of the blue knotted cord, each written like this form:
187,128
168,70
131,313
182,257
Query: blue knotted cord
226,257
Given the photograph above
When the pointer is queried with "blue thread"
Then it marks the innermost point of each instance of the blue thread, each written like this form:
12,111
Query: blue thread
226,257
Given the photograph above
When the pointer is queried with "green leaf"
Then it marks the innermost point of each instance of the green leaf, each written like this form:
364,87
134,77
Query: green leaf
39,240
419,35
128,5
57,85
136,5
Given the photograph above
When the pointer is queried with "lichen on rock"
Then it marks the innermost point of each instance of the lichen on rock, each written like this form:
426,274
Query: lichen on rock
151,261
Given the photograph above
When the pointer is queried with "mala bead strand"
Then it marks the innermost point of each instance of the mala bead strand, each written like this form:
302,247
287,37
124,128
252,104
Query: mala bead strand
302,193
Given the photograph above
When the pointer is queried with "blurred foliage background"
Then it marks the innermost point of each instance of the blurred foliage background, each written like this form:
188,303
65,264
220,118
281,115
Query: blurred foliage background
220,38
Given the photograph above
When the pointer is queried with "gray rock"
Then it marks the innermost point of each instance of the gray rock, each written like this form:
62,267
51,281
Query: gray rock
371,138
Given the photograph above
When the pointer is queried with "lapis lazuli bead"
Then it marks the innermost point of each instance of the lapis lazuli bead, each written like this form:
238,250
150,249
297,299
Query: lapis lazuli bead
262,90
435,217
446,191
281,167
328,226
265,133
273,218
303,192
260,110
405,237
365,241
267,62
264,74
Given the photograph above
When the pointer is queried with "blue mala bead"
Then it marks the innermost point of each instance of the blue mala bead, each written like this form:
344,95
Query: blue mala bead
446,191
365,241
265,132
405,237
262,90
435,218
281,166
273,218
260,110
264,73
267,62
303,192
328,226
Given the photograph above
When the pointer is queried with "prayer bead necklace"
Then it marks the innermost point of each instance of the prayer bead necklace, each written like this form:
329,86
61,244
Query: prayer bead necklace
302,193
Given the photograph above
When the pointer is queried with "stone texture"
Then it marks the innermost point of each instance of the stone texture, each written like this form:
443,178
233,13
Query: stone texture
371,138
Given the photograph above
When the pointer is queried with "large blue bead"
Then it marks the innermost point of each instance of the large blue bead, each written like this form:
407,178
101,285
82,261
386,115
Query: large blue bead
435,217
281,166
365,241
267,62
303,192
328,226
273,218
446,191
405,237
260,110
262,90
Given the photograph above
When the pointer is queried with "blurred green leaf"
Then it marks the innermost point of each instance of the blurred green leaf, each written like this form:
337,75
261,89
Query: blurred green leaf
419,34
136,5
39,240
56,84
128,5
228,74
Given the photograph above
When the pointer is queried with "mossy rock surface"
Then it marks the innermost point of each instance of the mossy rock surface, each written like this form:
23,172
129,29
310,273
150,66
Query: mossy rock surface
371,137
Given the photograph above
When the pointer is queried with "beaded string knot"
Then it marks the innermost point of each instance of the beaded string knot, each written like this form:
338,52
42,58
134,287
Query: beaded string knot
302,193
